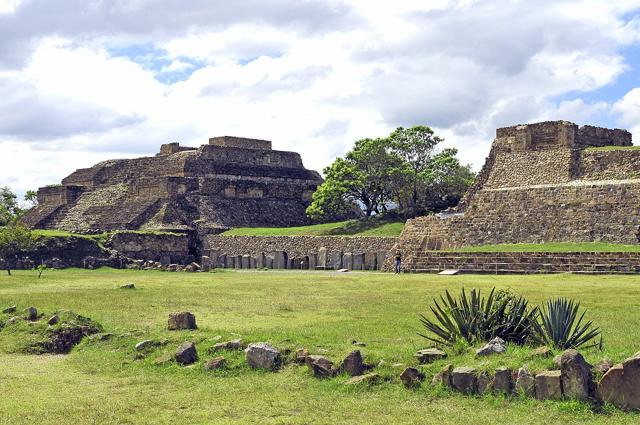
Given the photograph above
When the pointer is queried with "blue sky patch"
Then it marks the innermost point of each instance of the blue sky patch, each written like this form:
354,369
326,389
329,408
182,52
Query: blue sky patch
165,69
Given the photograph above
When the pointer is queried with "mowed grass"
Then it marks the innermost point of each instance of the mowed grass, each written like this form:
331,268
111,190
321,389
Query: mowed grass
368,227
102,382
553,247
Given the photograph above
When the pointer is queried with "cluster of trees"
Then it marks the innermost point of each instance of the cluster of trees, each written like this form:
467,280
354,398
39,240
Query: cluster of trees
402,172
10,208
14,238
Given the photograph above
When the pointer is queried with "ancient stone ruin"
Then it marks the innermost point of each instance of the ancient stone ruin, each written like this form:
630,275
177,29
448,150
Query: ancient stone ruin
544,182
229,182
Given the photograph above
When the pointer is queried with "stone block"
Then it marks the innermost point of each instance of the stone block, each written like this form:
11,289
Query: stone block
430,355
335,260
246,262
358,261
620,386
484,382
465,380
347,261
411,377
353,364
280,260
577,381
323,259
262,355
381,256
186,354
525,383
443,377
503,381
206,264
261,261
370,261
313,261
548,385
182,320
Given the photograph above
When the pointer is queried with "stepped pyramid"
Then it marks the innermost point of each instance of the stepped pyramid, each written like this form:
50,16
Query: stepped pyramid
229,182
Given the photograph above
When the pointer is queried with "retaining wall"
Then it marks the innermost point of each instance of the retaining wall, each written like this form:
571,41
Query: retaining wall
525,262
308,252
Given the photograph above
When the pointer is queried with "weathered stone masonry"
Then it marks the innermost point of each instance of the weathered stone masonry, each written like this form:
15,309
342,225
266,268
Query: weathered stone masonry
295,252
229,182
541,183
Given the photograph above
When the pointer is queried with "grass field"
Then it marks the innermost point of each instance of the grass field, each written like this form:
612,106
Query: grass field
370,227
102,382
553,247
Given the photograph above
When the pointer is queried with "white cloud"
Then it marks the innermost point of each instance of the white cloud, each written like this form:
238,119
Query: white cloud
311,76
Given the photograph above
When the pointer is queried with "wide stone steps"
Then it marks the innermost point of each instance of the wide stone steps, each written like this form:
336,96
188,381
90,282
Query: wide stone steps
523,262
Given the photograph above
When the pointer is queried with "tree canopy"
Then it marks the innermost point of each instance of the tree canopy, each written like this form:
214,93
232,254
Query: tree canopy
403,172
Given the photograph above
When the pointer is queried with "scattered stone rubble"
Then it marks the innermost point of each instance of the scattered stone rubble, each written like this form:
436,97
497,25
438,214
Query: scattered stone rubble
573,378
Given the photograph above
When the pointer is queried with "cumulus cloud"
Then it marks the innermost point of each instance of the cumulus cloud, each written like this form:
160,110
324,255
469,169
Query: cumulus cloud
115,79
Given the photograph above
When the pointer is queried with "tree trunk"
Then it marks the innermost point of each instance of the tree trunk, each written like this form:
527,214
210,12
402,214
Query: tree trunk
9,272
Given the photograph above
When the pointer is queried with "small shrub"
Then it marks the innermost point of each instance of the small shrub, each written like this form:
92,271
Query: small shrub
559,327
475,318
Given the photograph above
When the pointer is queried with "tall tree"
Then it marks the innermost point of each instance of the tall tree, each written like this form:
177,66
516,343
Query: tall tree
10,211
31,198
403,171
446,181
365,176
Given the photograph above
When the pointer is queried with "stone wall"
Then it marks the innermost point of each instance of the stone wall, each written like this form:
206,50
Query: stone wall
240,142
522,168
618,164
65,251
326,252
162,247
525,262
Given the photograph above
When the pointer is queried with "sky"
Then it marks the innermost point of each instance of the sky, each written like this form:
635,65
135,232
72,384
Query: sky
82,81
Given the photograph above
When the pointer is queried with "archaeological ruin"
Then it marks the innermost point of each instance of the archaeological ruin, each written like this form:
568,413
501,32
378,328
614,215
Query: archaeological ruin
543,182
226,183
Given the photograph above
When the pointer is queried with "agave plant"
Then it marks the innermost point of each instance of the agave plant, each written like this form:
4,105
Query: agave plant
558,326
474,318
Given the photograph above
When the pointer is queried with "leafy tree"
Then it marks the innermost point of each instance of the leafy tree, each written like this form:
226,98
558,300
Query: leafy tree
31,197
403,171
10,211
364,176
13,240
445,182
415,146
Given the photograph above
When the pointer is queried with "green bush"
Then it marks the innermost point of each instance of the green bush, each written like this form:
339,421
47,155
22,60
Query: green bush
474,318
559,328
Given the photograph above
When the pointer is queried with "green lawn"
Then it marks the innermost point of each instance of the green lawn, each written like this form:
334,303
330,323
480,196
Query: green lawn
553,247
370,227
102,382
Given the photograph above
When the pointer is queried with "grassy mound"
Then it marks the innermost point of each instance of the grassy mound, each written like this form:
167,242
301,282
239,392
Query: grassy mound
365,227
39,337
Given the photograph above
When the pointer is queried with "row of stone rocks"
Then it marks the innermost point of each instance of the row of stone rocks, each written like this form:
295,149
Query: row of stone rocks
620,384
156,265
